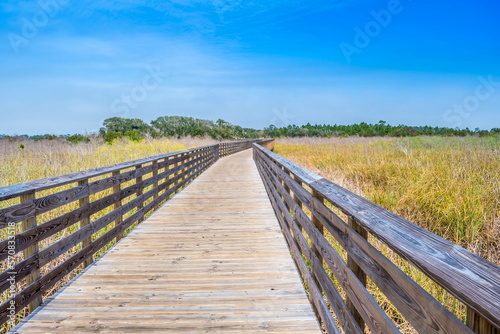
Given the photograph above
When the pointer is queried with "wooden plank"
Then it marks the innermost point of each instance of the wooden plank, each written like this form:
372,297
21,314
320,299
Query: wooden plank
84,202
470,278
415,304
336,302
30,251
117,205
357,270
478,324
140,192
374,316
57,181
44,230
209,270
17,213
155,174
25,267
34,291
314,291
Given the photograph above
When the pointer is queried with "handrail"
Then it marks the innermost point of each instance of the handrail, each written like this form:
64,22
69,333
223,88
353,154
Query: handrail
114,198
470,278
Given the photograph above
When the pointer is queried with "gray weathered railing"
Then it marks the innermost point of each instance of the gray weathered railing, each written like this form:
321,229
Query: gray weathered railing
105,201
471,279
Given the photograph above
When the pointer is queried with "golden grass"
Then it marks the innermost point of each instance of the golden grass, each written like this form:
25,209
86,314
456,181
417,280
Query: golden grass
450,186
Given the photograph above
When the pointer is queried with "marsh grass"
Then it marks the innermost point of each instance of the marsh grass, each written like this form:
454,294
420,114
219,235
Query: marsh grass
450,186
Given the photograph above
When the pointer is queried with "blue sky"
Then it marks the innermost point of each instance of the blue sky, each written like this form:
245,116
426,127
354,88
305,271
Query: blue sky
65,66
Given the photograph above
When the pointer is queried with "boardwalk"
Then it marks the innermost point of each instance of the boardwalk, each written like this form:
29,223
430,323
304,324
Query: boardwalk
213,259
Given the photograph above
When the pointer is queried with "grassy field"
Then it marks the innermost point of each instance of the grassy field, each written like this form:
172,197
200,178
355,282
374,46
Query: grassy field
22,161
450,186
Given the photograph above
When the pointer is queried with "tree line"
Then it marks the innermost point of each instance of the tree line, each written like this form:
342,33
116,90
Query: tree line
181,126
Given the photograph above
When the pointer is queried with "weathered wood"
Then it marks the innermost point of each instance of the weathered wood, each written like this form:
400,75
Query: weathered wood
479,324
470,278
58,248
85,221
58,181
50,253
320,229
44,230
155,174
374,316
118,203
31,251
336,302
190,164
418,307
360,274
17,213
53,182
35,290
140,192
169,283
295,197
282,213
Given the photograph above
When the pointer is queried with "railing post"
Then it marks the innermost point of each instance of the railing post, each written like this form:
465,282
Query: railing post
155,185
182,171
117,206
479,324
177,164
285,186
85,221
139,193
320,228
296,199
35,273
360,274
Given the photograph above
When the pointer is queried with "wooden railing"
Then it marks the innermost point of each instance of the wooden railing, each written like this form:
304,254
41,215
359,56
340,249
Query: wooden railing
80,214
295,191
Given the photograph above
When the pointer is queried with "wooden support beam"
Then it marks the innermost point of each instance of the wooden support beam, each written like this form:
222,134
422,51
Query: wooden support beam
155,185
117,206
85,221
296,198
140,192
360,274
35,274
479,324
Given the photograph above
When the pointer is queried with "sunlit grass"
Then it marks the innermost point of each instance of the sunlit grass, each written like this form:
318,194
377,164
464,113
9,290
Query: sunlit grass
450,186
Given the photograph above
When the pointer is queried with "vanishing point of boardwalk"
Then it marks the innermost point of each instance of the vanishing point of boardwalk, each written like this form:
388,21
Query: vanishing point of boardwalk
212,259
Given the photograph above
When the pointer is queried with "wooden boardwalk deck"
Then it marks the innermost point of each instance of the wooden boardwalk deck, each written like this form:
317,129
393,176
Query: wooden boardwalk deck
211,260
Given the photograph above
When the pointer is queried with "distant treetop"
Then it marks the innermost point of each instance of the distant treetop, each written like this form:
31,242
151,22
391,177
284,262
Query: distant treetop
182,126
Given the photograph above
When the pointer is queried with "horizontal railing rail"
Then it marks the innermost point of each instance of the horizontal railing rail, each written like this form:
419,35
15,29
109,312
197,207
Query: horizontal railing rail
81,214
302,201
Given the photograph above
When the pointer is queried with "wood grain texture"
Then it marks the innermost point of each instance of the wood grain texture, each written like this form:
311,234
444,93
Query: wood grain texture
470,278
418,307
375,318
84,202
57,181
34,273
355,268
289,225
315,293
212,259
33,292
